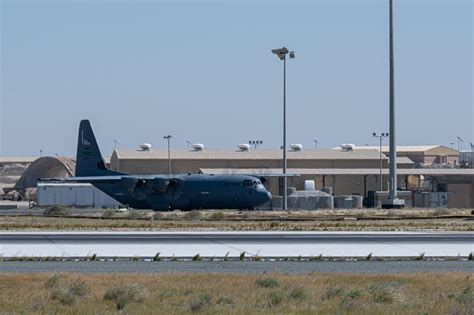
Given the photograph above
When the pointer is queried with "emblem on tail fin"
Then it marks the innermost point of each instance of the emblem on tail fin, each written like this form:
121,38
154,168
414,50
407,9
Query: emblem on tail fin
84,141
89,161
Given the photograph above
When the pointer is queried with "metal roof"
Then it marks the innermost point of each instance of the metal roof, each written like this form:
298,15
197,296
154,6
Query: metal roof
404,160
406,148
259,154
342,171
17,159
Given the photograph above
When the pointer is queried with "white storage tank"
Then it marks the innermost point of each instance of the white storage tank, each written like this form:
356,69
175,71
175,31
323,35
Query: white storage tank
309,185
73,194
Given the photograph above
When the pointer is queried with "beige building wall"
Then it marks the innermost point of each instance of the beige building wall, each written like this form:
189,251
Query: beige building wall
160,166
460,195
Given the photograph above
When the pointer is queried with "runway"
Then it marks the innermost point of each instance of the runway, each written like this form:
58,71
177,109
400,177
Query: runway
219,244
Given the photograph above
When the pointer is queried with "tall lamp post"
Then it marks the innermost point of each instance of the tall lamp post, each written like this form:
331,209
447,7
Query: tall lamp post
281,53
460,141
168,137
315,143
380,136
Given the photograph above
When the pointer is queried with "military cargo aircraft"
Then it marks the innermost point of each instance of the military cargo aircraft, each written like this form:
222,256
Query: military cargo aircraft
164,192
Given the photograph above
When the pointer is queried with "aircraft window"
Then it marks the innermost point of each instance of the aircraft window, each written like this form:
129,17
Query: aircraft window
247,182
259,182
254,182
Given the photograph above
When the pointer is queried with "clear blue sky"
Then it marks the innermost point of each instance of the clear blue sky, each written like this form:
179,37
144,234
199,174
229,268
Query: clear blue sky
203,71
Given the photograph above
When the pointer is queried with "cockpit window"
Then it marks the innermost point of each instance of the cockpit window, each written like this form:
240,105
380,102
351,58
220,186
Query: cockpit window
254,182
259,182
247,182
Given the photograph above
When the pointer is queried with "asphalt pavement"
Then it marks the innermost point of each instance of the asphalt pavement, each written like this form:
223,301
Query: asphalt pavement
237,266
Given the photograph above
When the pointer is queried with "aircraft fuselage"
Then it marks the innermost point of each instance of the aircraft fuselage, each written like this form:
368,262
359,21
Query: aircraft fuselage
186,192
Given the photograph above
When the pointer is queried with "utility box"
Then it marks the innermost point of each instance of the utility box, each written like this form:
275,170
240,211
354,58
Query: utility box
73,194
438,199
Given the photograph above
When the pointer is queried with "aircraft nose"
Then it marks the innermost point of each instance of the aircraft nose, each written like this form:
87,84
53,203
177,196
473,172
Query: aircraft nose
267,196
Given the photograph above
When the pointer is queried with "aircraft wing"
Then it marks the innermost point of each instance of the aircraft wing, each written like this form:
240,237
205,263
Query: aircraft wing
97,179
84,179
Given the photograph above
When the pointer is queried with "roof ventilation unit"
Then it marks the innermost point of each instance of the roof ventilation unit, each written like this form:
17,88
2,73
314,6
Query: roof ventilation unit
244,147
198,147
296,147
347,146
145,147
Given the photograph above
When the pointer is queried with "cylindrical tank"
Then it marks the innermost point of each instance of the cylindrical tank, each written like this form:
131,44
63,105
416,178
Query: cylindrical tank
327,190
343,202
290,191
326,202
357,202
309,185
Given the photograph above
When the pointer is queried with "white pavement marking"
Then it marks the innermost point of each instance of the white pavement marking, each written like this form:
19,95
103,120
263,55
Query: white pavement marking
207,246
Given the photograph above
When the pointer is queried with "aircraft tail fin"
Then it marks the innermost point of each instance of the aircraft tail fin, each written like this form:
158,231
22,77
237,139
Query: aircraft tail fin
89,161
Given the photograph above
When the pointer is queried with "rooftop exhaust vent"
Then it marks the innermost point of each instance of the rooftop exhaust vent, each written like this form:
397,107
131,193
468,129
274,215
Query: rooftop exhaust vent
145,147
296,147
347,146
198,147
244,147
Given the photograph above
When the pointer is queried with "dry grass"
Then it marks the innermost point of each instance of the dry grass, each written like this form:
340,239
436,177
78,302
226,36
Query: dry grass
275,224
411,293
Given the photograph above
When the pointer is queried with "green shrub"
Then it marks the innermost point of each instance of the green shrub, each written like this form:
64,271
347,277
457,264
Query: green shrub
125,294
55,210
201,301
275,298
225,300
297,292
268,282
109,213
242,256
197,257
136,214
333,292
158,216
193,215
465,296
63,296
217,216
54,281
78,288
66,294
380,293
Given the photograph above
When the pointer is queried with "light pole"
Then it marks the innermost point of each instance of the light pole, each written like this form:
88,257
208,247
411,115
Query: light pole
189,144
381,136
115,144
41,152
315,143
281,53
460,141
255,143
168,137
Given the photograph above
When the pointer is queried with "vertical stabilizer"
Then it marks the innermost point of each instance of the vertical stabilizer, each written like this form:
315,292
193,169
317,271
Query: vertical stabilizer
89,161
